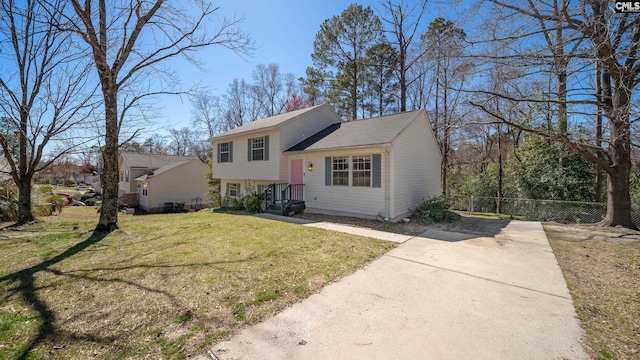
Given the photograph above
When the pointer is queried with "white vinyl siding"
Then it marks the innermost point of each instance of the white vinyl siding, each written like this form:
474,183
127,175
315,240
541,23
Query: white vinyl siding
415,167
181,183
242,168
341,200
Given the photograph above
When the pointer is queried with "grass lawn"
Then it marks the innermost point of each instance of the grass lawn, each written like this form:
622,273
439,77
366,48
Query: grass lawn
164,287
602,270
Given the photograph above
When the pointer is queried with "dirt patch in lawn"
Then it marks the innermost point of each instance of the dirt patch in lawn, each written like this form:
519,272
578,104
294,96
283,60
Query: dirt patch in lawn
602,270
413,227
464,224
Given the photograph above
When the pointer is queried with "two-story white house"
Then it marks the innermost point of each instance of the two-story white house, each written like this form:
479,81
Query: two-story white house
376,168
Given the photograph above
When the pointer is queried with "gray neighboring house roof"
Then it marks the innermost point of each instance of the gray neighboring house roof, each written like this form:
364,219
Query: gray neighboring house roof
151,161
359,133
162,169
272,122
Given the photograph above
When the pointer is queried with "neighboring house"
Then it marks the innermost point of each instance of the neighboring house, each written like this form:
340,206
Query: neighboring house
5,170
375,168
154,180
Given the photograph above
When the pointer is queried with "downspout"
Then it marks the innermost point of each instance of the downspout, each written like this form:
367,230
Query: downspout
387,182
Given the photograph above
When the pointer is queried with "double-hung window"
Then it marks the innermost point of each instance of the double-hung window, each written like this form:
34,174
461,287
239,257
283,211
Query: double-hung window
340,170
224,151
233,189
353,170
257,148
361,170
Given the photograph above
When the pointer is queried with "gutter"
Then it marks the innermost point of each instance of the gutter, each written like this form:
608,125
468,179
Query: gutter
387,180
339,148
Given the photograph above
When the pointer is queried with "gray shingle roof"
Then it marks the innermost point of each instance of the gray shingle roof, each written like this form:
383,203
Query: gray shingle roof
267,123
163,169
359,133
151,161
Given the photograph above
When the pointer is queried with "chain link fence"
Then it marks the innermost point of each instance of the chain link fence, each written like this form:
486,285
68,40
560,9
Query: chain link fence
565,212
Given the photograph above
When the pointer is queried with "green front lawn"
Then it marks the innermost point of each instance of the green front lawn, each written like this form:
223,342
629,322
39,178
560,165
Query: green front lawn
165,286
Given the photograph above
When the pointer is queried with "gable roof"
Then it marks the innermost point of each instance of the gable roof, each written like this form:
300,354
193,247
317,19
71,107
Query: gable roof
269,123
359,133
163,169
150,161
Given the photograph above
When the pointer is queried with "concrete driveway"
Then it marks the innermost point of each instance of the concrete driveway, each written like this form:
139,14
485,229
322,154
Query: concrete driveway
440,295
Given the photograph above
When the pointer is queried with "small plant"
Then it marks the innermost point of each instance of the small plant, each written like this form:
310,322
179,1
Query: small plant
232,203
253,202
45,189
58,201
213,194
182,318
435,210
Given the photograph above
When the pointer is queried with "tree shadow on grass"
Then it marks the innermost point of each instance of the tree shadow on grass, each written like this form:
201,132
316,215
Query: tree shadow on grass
25,280
25,286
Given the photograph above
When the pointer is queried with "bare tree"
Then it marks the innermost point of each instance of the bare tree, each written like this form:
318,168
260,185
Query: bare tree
183,142
156,144
205,113
604,38
44,90
405,26
268,87
135,37
240,105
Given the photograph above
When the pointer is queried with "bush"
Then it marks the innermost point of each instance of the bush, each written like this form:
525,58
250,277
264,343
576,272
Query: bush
8,201
58,200
435,210
253,202
45,189
232,203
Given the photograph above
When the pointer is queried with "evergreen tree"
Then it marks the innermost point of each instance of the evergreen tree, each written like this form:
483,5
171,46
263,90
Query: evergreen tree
340,53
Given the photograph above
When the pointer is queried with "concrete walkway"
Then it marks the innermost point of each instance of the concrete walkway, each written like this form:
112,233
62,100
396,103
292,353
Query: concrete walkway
439,295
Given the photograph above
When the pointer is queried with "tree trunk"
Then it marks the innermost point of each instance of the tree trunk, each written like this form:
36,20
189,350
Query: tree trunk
403,79
599,96
618,196
500,171
445,135
23,178
618,199
25,213
109,210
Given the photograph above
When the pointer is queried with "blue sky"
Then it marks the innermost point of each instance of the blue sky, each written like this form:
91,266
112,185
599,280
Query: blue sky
283,32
